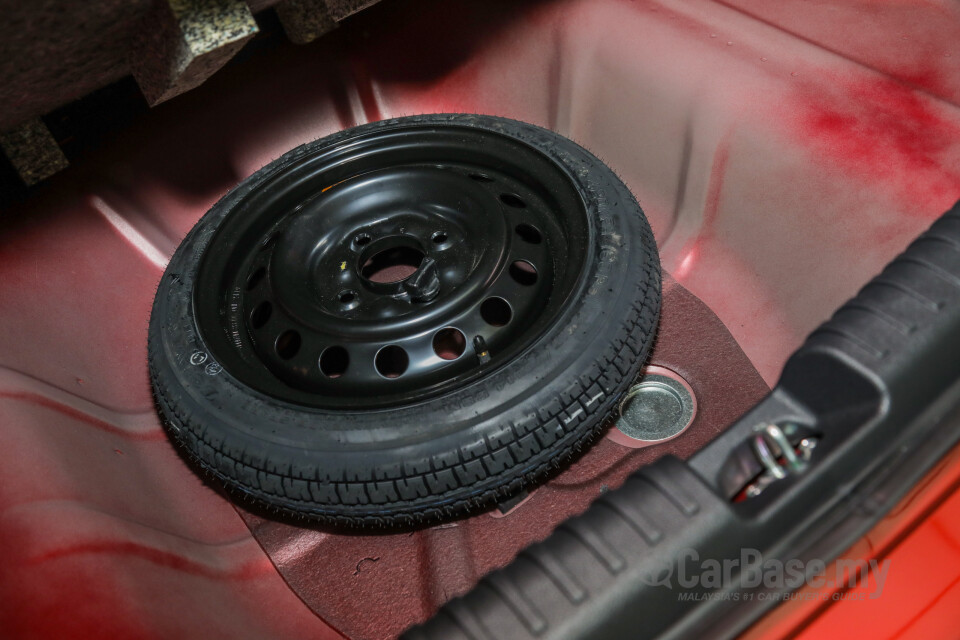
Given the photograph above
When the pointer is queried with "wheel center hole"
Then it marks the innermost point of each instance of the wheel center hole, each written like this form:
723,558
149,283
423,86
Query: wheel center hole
392,264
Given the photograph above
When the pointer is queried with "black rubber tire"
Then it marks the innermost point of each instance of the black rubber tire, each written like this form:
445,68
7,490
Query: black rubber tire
443,457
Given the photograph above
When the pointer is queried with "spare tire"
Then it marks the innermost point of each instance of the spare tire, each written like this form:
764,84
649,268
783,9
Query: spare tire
404,322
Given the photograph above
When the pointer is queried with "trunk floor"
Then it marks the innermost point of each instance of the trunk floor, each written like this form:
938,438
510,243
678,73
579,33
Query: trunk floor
783,153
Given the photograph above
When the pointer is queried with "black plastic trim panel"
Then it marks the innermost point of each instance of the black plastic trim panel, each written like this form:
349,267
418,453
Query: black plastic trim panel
877,384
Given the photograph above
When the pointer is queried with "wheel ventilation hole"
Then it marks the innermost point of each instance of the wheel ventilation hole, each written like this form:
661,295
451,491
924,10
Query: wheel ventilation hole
334,361
288,344
512,200
449,343
496,311
261,314
523,272
529,233
255,278
391,361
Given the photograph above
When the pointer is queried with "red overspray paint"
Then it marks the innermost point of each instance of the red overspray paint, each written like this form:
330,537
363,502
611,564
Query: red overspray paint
882,131
718,174
913,41
75,296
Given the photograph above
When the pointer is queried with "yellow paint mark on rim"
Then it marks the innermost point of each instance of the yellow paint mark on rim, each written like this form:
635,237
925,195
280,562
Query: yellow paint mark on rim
325,189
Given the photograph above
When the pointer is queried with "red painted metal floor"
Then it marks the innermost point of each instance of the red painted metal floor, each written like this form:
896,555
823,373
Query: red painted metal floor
783,151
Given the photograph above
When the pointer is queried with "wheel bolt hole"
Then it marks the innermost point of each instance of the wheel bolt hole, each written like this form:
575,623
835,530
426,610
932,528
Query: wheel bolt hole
347,297
391,361
334,361
512,200
362,240
529,233
261,314
496,311
288,344
523,272
449,343
439,237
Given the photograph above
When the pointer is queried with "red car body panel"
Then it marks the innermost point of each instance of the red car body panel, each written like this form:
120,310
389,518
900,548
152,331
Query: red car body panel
783,152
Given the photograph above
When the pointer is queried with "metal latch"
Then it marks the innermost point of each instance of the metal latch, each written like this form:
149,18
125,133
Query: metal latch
779,457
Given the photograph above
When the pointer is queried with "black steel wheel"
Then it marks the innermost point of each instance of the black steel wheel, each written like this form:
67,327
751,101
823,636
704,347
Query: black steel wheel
404,322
